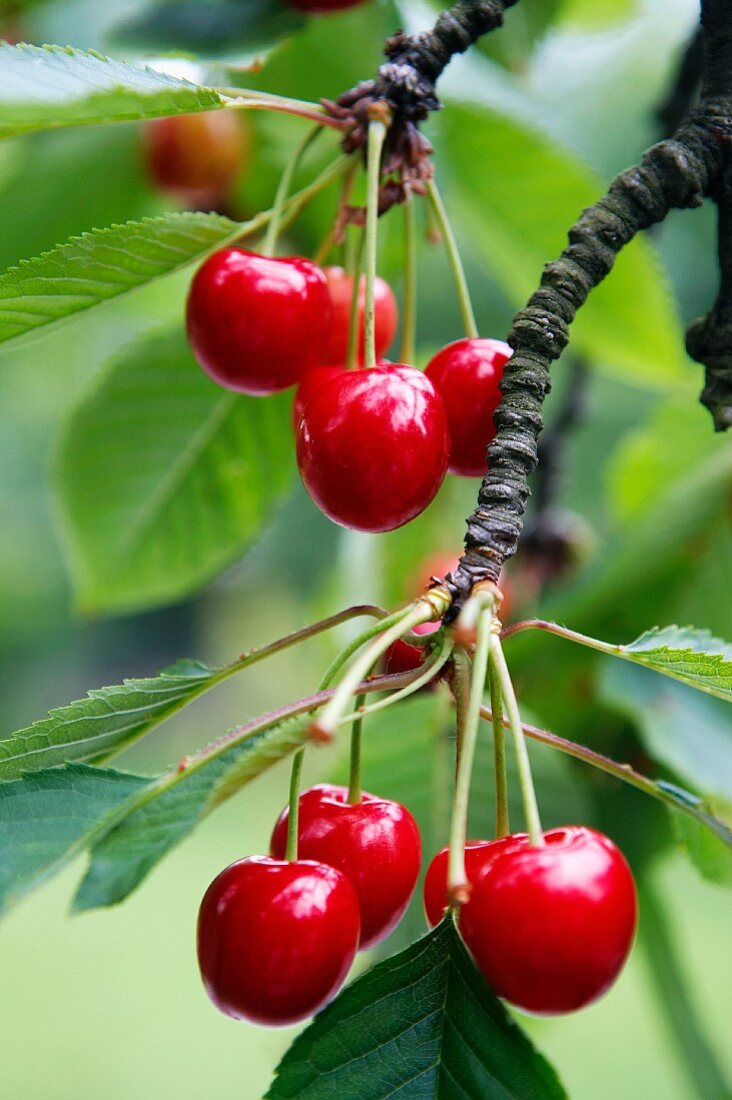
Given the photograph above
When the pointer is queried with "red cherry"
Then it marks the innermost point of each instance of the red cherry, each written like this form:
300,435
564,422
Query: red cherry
255,323
197,157
372,448
276,939
310,384
551,927
375,843
467,374
478,854
386,315
322,5
403,657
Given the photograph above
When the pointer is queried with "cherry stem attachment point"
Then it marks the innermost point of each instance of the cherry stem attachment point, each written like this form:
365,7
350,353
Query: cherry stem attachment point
376,138
526,782
409,313
453,255
283,190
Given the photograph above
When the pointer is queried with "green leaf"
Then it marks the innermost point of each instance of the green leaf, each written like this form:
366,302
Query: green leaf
174,805
707,850
107,720
422,1025
163,477
588,15
45,87
683,729
629,325
210,27
102,265
49,817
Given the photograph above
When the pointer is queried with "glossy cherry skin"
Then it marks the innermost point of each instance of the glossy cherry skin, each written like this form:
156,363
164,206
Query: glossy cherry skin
550,928
311,382
468,374
478,854
386,315
256,324
320,6
197,157
373,447
375,843
276,939
403,657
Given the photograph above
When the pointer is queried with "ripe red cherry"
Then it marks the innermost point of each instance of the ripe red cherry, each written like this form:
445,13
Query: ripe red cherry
386,315
310,384
255,323
374,842
322,5
478,854
467,374
401,656
197,157
276,939
372,448
551,927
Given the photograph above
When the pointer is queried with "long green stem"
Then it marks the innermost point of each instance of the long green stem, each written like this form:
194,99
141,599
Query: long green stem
365,636
453,255
528,794
428,607
467,732
503,826
691,1045
296,202
429,670
409,311
377,135
293,818
265,101
354,775
354,326
283,190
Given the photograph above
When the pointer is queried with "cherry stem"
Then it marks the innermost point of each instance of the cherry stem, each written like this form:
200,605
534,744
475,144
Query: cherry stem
457,881
427,608
354,776
430,668
365,636
453,255
283,190
503,827
409,315
526,782
293,819
376,137
246,99
353,319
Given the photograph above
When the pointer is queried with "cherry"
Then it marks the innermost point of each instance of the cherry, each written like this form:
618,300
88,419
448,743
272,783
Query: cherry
197,157
323,5
255,322
386,315
551,927
375,842
372,448
478,854
311,382
467,374
276,939
401,656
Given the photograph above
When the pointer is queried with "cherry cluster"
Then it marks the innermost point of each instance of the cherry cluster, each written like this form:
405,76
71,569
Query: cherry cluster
549,927
373,445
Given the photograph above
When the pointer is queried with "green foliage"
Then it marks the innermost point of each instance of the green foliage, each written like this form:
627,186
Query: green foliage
628,325
43,88
47,819
180,488
692,656
210,27
421,1024
107,720
104,264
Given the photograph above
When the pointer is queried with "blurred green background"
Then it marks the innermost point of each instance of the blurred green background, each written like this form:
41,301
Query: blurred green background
109,1003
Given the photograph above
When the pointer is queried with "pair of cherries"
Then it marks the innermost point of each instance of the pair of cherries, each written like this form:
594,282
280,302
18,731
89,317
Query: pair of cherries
549,927
276,938
373,446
